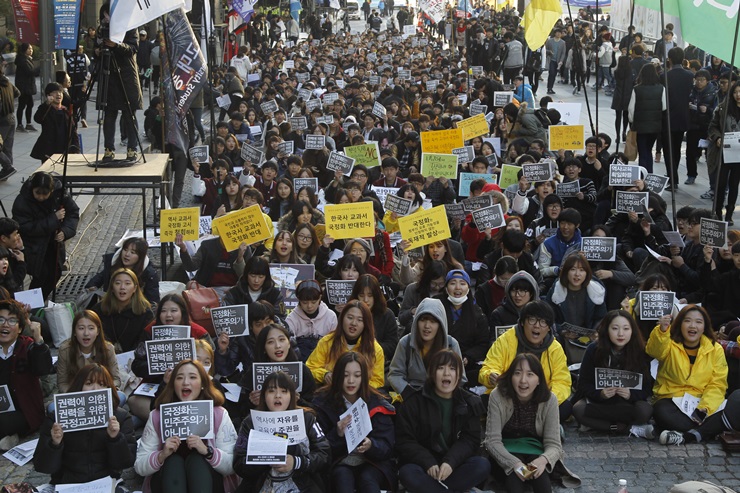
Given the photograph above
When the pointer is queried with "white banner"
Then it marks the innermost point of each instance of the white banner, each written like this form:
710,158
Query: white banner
436,9
130,14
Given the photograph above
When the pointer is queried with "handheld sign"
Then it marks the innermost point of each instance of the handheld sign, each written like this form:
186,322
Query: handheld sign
379,110
731,147
269,107
475,203
425,227
467,178
6,402
77,411
567,189
260,372
509,176
631,201
464,154
475,109
441,141
607,377
164,355
160,332
535,172
316,142
623,175
289,423
656,183
330,97
501,99
570,113
439,165
287,276
339,292
185,221
340,162
712,233
224,101
567,137
654,304
264,449
383,192
199,154
304,94
597,248
399,205
501,329
359,426
231,319
455,211
312,183
286,147
327,119
489,217
475,126
350,220
245,225
251,154
674,238
367,154
313,104
182,419
298,123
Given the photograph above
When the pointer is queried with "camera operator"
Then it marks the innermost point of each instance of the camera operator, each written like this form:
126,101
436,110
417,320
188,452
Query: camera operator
124,90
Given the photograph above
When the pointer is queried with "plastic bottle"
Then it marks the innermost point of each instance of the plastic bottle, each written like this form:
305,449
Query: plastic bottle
622,486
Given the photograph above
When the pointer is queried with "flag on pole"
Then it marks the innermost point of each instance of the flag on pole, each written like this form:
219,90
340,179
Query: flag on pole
184,73
245,8
130,14
26,15
539,17
707,24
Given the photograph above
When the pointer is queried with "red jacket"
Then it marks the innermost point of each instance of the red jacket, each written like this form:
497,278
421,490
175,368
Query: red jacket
472,237
28,363
375,261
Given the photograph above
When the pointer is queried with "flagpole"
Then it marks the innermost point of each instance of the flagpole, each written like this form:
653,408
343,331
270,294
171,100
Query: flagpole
580,71
598,68
669,154
211,50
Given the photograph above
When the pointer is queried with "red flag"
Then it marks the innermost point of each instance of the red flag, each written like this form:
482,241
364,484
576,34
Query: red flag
26,13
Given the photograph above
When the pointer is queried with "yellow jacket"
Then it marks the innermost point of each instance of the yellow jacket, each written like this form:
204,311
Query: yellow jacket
707,378
391,225
320,365
554,364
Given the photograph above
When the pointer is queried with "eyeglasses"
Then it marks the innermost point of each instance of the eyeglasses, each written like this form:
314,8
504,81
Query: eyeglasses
11,322
519,292
537,321
359,175
304,237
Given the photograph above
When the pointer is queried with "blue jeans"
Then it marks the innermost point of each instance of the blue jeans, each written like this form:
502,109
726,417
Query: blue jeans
604,73
468,474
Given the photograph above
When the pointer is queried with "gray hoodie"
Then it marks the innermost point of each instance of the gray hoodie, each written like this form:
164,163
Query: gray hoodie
507,313
407,371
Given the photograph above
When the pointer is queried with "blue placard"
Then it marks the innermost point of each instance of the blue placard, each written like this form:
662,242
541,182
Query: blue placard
467,178
66,22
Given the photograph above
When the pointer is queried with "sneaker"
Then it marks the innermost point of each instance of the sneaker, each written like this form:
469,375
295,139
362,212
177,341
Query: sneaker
690,180
31,128
708,195
658,156
643,431
9,442
575,90
670,437
131,155
669,188
624,136
7,173
109,155
83,122
20,129
550,91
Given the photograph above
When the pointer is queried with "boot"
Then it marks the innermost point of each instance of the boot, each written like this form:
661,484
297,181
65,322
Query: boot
728,217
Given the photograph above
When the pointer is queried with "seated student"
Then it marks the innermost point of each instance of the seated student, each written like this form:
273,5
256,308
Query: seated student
216,268
408,369
531,207
87,455
547,225
430,284
231,199
689,361
209,189
312,319
652,282
407,191
282,203
585,200
438,432
390,178
307,460
369,467
533,333
439,250
641,233
237,126
307,243
616,277
265,181
619,346
301,212
513,243
231,352
722,287
367,289
490,295
520,290
192,464
592,167
255,284
23,360
719,422
523,428
10,238
555,248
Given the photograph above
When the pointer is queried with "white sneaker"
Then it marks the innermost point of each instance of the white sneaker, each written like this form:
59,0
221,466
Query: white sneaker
643,431
9,442
670,437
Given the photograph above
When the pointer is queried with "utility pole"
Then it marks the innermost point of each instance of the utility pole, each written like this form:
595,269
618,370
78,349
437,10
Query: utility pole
46,39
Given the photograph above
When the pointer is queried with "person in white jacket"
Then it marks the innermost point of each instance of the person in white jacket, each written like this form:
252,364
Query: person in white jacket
242,63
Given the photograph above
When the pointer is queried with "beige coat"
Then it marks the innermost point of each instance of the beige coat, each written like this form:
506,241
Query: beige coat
64,363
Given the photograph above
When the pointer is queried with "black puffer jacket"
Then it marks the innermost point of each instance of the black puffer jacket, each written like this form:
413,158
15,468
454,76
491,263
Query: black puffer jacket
25,75
124,74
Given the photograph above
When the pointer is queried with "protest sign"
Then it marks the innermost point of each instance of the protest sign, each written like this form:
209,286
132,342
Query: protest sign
379,110
313,104
340,162
287,147
359,425
656,183
476,109
339,292
103,485
185,221
455,211
500,329
294,369
350,220
674,238
567,189
147,389
599,248
165,354
251,154
501,99
654,304
570,113
404,74
439,165
224,101
631,201
34,298
199,154
326,119
87,410
608,377
508,175
383,192
567,137
22,453
479,202
298,123
312,183
330,97
476,70
489,217
304,94
6,402
367,154
441,141
287,276
425,227
264,449
232,319
269,107
183,419
160,332
409,30
731,147
534,172
245,225
465,179
399,205
316,142
712,232
623,175
464,154
475,126
288,423
576,330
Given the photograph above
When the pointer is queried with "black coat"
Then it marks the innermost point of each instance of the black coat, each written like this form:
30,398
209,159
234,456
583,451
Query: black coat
124,330
239,295
470,331
680,83
622,91
148,279
25,75
56,135
123,82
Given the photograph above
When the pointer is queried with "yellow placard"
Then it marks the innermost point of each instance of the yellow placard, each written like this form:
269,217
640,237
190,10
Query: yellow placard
350,220
425,227
367,154
474,126
245,225
568,137
439,165
508,175
320,230
442,141
185,221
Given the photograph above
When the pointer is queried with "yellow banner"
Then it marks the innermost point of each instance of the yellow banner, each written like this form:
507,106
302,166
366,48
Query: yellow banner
508,175
367,154
425,227
442,141
185,221
568,137
350,220
474,126
245,225
439,165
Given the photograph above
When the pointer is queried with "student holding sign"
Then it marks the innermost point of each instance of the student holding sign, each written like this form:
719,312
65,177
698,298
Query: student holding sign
87,455
282,203
216,268
367,289
410,192
368,467
722,288
255,284
301,212
192,463
614,405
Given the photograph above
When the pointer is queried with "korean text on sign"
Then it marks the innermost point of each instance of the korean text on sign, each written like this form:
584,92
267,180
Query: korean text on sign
350,220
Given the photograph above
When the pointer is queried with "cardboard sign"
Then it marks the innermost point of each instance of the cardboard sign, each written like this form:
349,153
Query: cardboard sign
567,189
489,217
185,221
455,211
269,107
264,449
289,423
713,233
300,183
287,147
475,126
165,354
607,377
598,248
298,122
656,183
245,225
160,332
350,220
379,110
340,162
631,201
439,165
316,142
441,141
500,329
501,99
287,276
88,410
359,426
567,137
182,419
232,319
570,113
623,175
6,402
313,104
260,372
199,154
399,205
535,172
465,179
367,154
508,176
425,227
654,304
327,119
251,154
339,292
479,202
464,154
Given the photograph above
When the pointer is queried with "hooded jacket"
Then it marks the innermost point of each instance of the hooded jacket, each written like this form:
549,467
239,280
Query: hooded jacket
507,313
554,250
320,363
407,372
594,308
470,330
148,279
